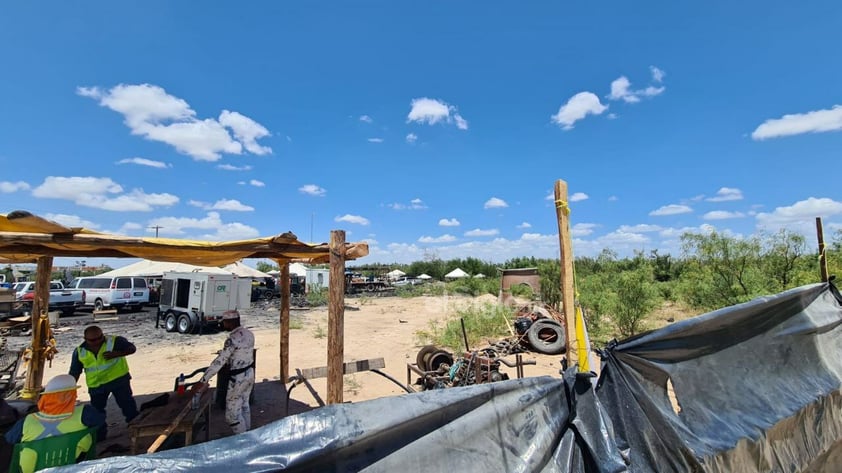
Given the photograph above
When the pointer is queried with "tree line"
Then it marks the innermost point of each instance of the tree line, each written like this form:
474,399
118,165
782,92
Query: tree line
714,270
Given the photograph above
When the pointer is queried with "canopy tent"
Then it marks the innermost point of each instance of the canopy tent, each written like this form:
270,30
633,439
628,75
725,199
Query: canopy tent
297,269
148,268
395,274
425,276
24,237
244,271
479,276
456,274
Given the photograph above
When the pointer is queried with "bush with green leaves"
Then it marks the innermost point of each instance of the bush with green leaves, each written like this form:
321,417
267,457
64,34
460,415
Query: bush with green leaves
635,298
317,297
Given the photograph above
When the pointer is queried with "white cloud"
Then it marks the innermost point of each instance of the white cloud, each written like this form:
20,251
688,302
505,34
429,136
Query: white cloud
725,194
582,229
657,74
312,189
257,183
101,193
481,233
8,187
246,131
621,88
578,196
411,138
816,121
129,228
442,239
672,209
722,215
145,162
352,219
495,203
550,196
640,228
449,222
613,198
432,111
414,204
149,111
375,140
231,167
71,221
578,107
222,204
799,212
210,227
524,225
366,118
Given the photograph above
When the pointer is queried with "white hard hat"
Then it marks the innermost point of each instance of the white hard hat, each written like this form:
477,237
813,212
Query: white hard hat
230,315
62,382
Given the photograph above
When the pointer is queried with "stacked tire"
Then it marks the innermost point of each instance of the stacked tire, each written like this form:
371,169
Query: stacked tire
547,336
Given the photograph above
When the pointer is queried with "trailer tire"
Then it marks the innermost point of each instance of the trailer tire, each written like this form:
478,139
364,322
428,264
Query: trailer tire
369,287
185,324
546,338
170,322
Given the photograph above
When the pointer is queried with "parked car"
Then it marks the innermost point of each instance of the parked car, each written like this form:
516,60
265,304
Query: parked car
408,282
61,298
119,292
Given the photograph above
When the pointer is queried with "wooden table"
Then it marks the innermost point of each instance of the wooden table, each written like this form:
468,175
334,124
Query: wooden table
152,422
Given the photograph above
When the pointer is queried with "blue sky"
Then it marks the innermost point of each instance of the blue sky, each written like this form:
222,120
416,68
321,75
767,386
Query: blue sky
426,130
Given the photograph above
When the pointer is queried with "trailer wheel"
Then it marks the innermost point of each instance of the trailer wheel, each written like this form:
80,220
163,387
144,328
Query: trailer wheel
546,338
369,287
169,322
185,325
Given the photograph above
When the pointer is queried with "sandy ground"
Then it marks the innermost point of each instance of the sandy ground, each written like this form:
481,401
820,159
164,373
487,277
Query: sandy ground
374,327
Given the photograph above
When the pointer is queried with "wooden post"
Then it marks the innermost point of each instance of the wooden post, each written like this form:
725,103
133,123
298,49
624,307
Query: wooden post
567,288
41,303
285,294
336,317
822,251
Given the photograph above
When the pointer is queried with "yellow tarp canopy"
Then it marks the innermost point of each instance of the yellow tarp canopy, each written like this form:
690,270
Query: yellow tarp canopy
24,237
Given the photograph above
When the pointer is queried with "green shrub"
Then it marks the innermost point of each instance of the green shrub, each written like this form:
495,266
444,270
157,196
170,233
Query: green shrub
317,297
488,321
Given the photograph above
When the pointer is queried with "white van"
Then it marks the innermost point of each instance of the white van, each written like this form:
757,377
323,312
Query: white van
129,292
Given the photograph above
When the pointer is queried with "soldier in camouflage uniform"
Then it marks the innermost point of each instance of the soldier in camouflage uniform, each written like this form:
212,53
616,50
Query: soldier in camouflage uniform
238,353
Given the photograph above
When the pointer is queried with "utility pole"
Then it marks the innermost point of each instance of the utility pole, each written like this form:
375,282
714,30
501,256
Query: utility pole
312,217
156,227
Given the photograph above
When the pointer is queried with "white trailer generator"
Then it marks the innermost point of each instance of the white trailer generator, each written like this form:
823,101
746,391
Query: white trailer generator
191,301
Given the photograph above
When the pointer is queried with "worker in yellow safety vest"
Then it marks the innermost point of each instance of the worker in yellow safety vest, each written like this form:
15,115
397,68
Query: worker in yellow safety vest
103,359
57,414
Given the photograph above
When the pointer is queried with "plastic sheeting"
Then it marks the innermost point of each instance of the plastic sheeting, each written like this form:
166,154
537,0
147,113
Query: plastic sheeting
756,388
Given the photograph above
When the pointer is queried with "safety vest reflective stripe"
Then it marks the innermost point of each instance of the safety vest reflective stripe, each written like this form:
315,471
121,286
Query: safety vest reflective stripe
37,426
98,370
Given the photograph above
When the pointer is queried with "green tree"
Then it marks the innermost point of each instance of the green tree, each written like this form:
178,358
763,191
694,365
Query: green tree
720,270
784,251
266,267
635,298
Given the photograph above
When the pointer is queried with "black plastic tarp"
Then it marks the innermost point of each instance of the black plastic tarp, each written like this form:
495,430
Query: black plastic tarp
756,388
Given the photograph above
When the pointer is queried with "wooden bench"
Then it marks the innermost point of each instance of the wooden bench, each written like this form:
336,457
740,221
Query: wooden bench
304,375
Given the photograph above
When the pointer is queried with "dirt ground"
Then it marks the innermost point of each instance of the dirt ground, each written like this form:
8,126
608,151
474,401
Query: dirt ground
374,327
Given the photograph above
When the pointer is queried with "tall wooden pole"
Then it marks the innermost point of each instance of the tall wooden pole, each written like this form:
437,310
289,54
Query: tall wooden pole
284,326
567,287
822,252
40,305
336,317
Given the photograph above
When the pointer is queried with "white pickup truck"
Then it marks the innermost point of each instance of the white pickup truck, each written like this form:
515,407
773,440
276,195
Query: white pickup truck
61,298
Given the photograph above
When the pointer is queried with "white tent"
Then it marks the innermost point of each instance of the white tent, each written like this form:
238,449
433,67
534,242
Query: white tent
425,276
149,268
479,276
244,271
295,269
395,274
456,274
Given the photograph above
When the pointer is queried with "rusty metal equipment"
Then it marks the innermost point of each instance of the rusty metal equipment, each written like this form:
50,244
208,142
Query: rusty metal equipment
439,369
